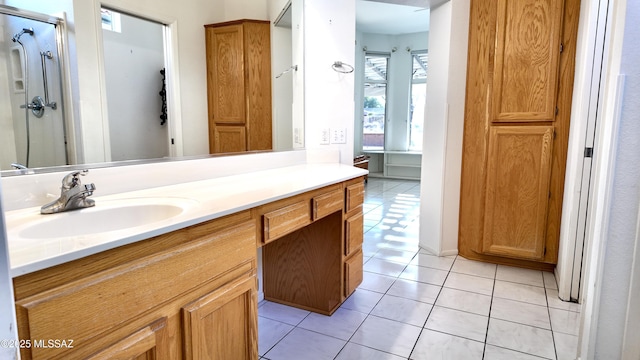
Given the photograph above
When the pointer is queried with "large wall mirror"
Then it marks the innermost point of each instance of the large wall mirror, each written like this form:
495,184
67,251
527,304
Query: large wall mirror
87,82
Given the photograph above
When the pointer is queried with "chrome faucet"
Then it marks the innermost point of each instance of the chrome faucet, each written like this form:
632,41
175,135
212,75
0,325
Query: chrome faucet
18,166
73,195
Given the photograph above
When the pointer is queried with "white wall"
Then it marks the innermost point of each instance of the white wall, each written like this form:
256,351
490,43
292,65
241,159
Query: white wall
8,330
443,127
243,9
329,36
282,88
398,85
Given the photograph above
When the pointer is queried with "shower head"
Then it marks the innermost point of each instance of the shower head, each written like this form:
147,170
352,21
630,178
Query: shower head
17,36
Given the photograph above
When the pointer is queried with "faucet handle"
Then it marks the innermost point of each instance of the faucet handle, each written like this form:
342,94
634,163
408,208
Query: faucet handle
72,179
89,189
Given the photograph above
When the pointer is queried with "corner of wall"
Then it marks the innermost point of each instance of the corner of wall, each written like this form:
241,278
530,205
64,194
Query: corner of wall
8,328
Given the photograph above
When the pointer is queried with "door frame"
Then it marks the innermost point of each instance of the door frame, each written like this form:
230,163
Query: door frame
172,65
599,197
591,62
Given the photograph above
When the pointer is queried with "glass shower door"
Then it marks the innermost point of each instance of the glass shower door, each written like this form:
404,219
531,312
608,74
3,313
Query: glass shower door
32,119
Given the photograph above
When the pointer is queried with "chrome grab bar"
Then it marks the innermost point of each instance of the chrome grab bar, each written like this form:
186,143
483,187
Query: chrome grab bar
43,56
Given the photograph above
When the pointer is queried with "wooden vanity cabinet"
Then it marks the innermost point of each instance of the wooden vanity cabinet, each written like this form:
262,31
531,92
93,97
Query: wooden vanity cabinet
239,86
187,294
317,262
192,293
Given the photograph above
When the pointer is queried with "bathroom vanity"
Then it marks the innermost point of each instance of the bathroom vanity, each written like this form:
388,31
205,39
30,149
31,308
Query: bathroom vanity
187,287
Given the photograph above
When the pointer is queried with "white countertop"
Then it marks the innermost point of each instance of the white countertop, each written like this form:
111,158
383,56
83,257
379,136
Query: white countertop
204,200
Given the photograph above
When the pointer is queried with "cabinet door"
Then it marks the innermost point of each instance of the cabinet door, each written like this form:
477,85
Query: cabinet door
526,60
225,74
354,196
353,273
149,343
353,234
517,196
223,324
517,112
229,139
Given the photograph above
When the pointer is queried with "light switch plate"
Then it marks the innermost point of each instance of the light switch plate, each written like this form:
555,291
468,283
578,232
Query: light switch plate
339,136
325,136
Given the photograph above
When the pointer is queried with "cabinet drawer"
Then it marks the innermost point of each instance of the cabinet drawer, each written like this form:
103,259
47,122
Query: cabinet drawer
352,273
286,220
353,233
328,203
103,301
355,196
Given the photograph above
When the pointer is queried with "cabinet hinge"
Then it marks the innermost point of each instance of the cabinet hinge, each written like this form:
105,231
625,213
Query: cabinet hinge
588,152
561,48
544,253
557,111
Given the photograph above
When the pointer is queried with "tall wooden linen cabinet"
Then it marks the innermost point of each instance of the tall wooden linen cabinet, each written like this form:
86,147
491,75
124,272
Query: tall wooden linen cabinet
239,86
519,88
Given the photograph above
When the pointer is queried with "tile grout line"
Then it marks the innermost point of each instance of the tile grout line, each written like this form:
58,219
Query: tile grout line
553,336
432,307
385,293
285,335
493,290
369,313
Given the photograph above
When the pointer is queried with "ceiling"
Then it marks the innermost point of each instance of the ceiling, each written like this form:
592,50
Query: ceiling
392,17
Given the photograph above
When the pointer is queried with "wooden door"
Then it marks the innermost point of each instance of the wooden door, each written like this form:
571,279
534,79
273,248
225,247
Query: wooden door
225,74
518,173
226,88
519,88
223,324
229,139
239,84
526,60
149,343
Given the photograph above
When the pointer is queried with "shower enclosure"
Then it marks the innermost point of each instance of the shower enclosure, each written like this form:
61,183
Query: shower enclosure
32,119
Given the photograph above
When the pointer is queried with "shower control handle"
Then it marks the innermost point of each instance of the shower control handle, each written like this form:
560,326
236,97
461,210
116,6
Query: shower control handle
37,106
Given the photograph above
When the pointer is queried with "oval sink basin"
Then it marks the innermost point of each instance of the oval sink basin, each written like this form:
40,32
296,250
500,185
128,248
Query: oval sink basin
105,217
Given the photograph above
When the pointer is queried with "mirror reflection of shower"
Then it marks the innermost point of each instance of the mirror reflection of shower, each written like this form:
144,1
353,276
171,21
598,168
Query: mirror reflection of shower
30,50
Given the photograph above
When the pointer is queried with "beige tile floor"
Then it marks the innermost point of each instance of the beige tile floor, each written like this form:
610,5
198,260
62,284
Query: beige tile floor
413,305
